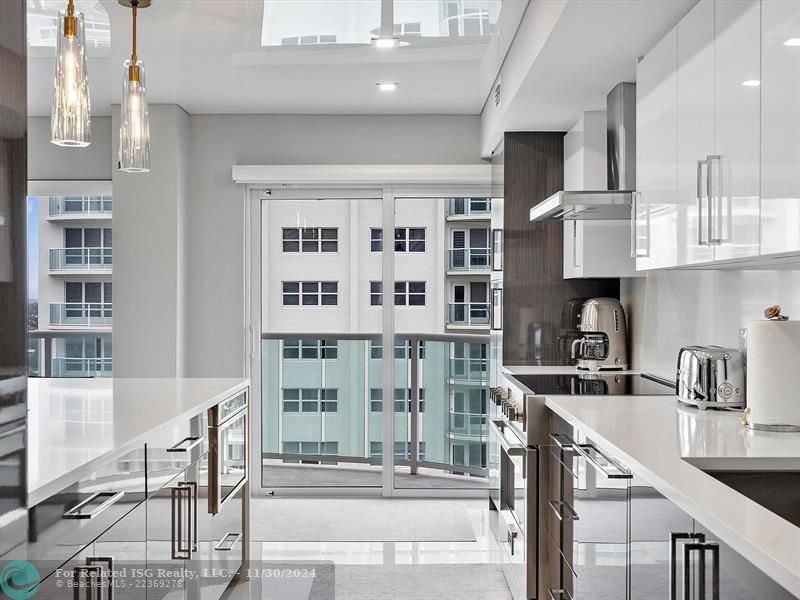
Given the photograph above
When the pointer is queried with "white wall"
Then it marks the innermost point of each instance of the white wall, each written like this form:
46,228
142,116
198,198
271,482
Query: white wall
215,216
48,161
670,309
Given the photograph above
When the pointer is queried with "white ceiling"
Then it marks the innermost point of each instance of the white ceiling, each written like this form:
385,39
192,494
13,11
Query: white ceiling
206,56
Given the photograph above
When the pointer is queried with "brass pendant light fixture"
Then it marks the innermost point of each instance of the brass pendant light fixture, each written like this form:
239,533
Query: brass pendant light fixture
134,130
70,116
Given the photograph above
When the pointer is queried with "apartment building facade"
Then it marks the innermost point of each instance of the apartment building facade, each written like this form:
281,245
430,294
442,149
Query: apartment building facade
75,289
323,306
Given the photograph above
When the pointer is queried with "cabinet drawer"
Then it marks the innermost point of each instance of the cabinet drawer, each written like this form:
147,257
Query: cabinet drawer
174,449
68,521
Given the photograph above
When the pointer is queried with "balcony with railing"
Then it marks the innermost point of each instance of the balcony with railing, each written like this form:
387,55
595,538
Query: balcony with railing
69,353
469,208
469,260
323,410
80,314
80,260
461,315
79,207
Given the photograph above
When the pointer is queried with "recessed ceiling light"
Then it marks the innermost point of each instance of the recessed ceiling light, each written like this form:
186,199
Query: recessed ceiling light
388,42
751,83
387,86
792,42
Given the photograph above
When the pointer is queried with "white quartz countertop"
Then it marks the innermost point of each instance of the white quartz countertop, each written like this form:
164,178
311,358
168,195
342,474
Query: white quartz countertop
75,425
555,370
666,444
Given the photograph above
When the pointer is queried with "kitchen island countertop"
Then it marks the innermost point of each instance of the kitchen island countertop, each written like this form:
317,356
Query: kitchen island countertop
76,425
668,445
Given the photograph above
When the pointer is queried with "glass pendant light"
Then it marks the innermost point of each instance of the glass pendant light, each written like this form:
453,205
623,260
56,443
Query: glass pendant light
70,119
134,130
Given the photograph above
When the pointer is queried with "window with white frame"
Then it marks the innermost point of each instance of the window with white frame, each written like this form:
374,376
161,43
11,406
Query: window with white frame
402,400
310,400
310,240
310,349
406,293
310,293
308,40
406,239
402,349
330,448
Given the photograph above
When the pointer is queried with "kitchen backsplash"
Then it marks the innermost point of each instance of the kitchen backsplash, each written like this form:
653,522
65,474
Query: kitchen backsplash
670,309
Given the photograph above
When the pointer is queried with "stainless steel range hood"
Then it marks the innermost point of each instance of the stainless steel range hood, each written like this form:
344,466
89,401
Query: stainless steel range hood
615,202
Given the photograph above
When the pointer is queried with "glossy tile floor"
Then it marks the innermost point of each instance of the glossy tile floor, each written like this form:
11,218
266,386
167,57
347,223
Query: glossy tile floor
378,570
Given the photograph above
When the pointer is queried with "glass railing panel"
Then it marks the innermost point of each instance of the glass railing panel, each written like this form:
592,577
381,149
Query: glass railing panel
464,207
470,259
80,206
65,366
82,259
468,314
76,314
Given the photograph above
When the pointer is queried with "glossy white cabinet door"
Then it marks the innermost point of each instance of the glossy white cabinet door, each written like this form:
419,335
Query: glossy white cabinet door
655,223
780,126
735,176
695,131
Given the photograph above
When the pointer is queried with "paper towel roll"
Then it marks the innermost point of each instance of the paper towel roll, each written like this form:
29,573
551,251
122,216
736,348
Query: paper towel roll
773,372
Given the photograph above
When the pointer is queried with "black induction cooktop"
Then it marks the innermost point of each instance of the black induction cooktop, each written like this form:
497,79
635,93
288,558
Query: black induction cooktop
600,384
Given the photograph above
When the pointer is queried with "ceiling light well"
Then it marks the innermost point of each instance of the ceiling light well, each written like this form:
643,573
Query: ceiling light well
792,42
751,83
387,86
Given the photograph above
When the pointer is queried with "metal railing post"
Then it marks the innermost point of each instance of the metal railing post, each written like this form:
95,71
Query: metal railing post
414,356
47,367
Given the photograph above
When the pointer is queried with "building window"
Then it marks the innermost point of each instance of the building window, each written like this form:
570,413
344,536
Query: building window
329,448
310,400
402,450
402,349
406,293
406,239
308,40
310,293
310,349
402,400
310,240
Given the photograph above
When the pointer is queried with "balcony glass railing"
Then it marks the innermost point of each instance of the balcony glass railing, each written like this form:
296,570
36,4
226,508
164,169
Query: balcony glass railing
80,206
73,314
80,259
69,353
465,207
467,424
470,259
468,314
322,404
64,366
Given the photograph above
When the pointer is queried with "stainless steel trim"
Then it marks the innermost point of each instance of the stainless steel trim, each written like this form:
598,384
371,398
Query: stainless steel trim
673,558
226,539
108,561
607,205
194,442
563,510
782,428
700,164
582,450
111,498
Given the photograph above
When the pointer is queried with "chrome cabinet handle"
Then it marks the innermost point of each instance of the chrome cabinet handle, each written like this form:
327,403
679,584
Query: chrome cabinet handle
674,537
563,510
619,472
110,498
93,570
700,164
714,204
701,549
191,442
228,541
182,549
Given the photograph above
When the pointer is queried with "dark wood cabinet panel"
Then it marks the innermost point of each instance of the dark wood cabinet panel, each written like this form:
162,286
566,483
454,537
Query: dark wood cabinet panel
538,319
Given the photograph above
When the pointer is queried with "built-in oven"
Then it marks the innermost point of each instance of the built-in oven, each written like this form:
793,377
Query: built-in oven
228,450
515,496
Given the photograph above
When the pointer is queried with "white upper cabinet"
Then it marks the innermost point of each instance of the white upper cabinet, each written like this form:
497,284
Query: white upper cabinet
735,185
654,227
780,126
714,93
695,122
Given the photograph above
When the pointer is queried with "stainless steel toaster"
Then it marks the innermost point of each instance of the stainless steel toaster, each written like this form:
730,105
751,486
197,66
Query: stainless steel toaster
711,377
